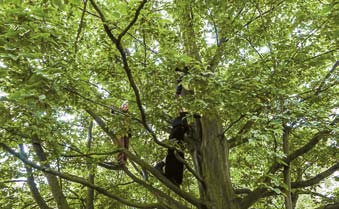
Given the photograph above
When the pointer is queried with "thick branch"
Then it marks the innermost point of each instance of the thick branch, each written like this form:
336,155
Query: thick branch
258,193
242,191
31,183
307,147
315,194
163,179
13,181
103,19
52,180
239,139
215,27
136,92
316,179
233,123
127,69
258,53
102,125
115,151
186,24
77,179
319,55
330,206
115,109
252,197
218,55
165,199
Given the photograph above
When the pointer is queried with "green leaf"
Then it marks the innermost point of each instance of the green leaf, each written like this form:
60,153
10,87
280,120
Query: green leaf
42,97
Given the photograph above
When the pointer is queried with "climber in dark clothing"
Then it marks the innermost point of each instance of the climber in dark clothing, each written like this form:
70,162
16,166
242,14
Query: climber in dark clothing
174,168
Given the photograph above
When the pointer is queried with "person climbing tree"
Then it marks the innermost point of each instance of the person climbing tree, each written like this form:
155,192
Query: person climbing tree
124,136
173,167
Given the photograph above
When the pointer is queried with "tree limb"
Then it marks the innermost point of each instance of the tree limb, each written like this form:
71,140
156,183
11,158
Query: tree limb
330,206
287,169
233,123
304,149
164,198
128,72
103,19
52,180
77,179
238,139
242,191
31,183
92,154
163,179
214,26
315,194
102,125
13,181
260,192
316,179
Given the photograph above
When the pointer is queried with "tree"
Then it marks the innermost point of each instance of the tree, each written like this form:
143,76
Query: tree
262,102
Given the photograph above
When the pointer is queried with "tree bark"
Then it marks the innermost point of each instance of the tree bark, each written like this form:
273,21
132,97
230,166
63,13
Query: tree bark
51,179
295,195
197,156
286,172
215,166
210,151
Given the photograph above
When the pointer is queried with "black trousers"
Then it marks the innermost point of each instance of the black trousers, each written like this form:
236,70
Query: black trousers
174,168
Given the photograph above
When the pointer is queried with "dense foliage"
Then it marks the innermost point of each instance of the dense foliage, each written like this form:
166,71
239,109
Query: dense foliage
265,70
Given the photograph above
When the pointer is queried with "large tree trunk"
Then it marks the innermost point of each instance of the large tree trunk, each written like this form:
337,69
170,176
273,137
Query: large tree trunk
194,148
213,160
286,172
210,151
51,179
